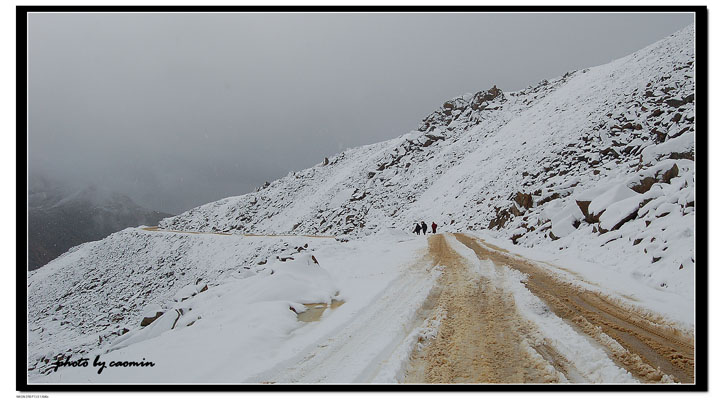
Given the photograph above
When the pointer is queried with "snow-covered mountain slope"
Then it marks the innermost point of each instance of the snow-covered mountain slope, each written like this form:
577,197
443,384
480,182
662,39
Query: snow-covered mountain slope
596,166
599,160
100,290
242,326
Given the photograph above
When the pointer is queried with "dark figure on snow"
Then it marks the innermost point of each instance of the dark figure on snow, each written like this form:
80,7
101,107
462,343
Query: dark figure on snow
417,229
434,227
424,228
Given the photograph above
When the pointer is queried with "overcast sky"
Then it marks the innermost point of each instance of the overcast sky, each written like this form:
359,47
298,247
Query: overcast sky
176,110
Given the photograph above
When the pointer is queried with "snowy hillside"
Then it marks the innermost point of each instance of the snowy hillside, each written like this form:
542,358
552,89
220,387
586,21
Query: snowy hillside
100,290
600,159
589,176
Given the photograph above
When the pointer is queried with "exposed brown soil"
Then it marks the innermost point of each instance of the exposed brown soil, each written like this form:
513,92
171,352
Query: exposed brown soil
314,311
482,339
641,342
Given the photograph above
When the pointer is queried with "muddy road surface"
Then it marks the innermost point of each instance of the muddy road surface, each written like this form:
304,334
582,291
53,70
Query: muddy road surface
483,338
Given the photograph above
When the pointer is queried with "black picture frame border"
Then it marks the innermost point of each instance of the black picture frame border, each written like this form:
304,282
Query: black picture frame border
701,219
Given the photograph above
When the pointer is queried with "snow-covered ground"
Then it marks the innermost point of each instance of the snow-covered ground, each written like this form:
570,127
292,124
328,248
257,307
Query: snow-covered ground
590,175
244,328
379,295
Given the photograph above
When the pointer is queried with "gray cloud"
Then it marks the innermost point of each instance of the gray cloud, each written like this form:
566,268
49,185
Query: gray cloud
176,110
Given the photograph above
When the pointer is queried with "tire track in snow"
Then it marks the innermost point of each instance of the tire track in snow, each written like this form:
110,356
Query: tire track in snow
359,349
482,339
644,345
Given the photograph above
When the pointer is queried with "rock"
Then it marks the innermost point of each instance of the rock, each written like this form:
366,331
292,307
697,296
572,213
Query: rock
524,200
681,131
549,198
624,220
356,196
610,151
689,155
676,103
326,162
646,183
583,205
659,136
150,319
499,221
481,99
670,174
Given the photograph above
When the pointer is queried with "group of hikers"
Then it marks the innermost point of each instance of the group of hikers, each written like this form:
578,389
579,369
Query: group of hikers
423,228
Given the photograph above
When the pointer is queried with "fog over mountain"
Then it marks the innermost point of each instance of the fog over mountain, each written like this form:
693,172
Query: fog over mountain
60,218
176,110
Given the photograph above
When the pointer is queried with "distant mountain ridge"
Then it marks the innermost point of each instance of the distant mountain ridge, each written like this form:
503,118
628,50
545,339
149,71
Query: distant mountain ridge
59,220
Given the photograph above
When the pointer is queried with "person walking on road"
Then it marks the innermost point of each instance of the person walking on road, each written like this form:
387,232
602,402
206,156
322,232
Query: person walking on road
424,228
434,227
417,229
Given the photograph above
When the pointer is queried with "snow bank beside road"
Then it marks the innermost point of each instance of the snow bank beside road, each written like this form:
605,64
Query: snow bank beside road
615,278
239,328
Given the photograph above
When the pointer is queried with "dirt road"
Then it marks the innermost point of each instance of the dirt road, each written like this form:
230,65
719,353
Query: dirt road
485,340
481,339
645,344
156,229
